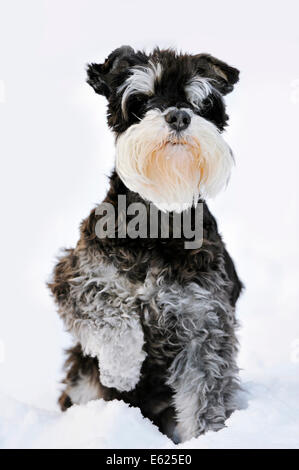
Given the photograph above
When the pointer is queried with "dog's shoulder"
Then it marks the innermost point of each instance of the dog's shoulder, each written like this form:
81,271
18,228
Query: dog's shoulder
66,268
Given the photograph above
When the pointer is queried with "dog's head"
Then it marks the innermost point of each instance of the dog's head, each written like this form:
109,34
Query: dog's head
167,112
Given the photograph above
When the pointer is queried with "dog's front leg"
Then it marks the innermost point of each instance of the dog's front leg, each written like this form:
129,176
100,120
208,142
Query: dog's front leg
203,375
117,342
98,308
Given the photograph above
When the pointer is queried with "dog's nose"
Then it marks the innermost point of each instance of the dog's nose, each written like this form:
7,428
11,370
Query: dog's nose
178,119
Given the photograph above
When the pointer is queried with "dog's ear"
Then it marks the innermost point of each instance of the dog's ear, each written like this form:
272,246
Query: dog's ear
100,76
225,75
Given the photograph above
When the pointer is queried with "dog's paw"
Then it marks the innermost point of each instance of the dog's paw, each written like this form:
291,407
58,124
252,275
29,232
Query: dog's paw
120,354
120,369
121,383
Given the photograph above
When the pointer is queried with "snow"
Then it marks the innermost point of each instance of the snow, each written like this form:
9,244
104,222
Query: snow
57,152
97,424
268,418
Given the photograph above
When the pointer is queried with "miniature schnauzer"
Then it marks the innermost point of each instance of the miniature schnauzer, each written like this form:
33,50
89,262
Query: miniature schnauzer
154,322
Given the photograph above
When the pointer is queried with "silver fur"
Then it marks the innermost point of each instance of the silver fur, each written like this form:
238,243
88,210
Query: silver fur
193,325
106,322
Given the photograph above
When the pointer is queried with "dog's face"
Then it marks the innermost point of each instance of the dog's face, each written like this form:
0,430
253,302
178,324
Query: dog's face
167,112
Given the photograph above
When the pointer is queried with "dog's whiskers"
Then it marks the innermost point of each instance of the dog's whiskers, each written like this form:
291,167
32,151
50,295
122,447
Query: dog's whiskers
136,116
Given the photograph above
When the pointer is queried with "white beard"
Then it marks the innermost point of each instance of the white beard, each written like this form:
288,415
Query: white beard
172,171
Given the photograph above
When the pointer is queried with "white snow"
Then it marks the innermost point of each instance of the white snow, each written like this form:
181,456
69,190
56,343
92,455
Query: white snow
97,424
56,150
268,418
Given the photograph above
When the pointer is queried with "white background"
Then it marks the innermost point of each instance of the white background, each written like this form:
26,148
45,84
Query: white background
56,151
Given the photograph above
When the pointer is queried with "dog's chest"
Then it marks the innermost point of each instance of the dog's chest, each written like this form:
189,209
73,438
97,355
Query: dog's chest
182,310
170,312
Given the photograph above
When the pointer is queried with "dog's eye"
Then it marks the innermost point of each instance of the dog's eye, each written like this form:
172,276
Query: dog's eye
202,105
207,104
135,106
213,110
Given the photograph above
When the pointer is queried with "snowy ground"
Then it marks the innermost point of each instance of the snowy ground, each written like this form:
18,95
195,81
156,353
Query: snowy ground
57,150
269,419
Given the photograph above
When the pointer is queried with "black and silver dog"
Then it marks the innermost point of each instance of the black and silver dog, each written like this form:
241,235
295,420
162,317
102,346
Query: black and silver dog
154,321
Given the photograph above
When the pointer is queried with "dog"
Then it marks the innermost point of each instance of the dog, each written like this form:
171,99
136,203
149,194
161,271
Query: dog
154,321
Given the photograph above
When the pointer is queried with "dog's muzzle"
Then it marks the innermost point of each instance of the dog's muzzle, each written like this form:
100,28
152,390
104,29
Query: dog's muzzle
171,158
